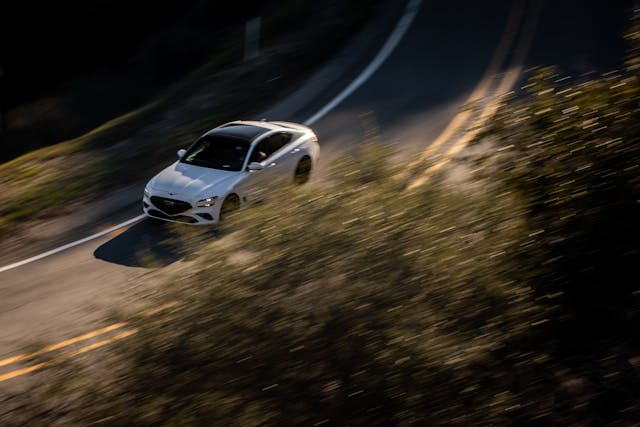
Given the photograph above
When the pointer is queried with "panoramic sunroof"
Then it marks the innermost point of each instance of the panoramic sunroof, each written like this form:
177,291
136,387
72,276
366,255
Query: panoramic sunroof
244,131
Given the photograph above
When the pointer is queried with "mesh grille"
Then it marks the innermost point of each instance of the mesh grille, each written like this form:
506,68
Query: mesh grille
170,206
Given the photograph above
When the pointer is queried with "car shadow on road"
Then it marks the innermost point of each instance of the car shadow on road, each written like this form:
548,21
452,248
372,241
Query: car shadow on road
149,244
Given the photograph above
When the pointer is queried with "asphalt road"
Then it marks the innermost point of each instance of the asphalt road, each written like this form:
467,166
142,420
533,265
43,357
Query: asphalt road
408,101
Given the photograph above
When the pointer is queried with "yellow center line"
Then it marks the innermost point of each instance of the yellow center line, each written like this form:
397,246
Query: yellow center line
487,113
69,355
157,310
99,344
62,344
22,371
491,108
478,93
28,369
83,337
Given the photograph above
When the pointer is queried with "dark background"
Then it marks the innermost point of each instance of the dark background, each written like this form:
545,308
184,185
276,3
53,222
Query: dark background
46,43
70,66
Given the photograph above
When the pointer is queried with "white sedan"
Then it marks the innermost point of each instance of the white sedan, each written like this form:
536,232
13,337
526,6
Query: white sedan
230,166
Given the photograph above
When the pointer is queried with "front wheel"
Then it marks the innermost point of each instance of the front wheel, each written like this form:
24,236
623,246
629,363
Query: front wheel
303,170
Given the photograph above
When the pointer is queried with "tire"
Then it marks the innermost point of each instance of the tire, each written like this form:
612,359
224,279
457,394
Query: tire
303,170
231,203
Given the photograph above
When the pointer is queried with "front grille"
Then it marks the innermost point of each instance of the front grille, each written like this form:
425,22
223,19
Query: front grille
170,206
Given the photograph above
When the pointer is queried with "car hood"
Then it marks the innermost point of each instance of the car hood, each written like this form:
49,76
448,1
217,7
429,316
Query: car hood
192,181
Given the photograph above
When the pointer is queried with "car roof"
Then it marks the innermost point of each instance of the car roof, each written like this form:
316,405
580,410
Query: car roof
245,131
250,130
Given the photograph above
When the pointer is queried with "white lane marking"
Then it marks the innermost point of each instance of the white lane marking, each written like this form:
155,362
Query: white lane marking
401,28
72,244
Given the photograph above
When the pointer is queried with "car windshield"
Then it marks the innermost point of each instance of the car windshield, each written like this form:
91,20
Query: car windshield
217,152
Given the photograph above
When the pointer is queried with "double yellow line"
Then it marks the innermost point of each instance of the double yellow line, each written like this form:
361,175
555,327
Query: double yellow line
468,123
122,327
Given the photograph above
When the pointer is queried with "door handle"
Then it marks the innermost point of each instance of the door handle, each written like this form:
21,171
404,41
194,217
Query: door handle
295,150
272,164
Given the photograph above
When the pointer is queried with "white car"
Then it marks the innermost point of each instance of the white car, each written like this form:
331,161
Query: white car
230,166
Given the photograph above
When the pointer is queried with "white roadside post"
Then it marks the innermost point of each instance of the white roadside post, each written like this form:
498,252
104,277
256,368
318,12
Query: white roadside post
252,38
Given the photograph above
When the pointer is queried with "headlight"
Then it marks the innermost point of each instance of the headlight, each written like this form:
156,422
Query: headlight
206,203
146,192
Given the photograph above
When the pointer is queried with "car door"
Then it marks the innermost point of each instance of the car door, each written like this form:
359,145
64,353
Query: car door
280,157
268,152
289,155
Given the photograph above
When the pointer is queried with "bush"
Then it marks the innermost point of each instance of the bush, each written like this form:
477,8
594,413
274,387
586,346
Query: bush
354,302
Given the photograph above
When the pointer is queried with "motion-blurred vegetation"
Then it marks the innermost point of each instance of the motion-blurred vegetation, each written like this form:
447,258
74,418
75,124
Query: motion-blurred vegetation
358,303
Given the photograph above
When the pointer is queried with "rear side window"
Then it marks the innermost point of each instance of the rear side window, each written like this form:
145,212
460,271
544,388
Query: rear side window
268,146
278,141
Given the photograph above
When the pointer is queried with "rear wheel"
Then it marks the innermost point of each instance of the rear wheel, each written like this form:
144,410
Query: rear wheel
303,170
231,203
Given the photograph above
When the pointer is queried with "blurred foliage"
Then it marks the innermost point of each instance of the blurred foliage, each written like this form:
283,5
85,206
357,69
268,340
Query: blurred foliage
363,305
572,152
357,303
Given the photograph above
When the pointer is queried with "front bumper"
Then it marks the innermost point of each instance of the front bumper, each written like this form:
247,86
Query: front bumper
181,211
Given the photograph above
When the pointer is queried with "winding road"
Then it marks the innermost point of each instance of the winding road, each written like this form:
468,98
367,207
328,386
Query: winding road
440,56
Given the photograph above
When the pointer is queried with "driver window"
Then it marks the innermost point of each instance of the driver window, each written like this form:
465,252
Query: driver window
267,147
260,152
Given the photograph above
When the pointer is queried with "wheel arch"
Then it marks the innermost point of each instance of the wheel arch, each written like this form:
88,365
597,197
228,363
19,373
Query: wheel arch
232,193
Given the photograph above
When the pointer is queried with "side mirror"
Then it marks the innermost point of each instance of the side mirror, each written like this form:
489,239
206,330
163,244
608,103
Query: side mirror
181,153
255,166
